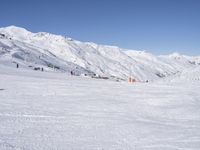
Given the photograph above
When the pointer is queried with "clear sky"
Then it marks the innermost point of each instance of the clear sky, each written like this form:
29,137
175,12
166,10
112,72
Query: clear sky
157,26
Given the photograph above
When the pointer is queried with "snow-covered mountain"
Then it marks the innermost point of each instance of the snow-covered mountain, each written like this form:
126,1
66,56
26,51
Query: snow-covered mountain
58,53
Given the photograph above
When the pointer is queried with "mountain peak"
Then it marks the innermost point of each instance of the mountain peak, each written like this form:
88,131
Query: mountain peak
13,28
16,32
175,55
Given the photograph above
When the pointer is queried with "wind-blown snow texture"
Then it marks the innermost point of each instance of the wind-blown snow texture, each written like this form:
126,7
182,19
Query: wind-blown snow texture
65,55
43,110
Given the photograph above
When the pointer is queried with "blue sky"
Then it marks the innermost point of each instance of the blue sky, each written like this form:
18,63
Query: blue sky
157,26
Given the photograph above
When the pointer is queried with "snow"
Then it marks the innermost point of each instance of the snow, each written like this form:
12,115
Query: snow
52,110
189,75
48,51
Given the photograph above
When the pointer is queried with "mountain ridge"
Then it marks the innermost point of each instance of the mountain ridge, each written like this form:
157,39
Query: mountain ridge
51,51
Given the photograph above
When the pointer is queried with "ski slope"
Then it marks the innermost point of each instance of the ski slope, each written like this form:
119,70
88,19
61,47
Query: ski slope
52,110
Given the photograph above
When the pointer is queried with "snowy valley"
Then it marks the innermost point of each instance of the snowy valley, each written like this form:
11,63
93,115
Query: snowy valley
52,109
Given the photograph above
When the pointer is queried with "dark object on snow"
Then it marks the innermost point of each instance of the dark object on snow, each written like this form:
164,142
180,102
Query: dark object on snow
72,73
99,77
2,89
2,35
17,65
56,67
42,69
160,75
37,68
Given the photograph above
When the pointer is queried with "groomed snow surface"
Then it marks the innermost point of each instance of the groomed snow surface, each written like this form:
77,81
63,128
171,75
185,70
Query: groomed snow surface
55,111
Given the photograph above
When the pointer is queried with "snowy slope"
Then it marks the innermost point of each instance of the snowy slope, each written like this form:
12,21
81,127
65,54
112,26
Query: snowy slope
54,52
43,110
54,110
187,75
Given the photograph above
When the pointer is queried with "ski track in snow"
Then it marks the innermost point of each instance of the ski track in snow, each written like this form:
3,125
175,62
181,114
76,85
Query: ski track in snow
42,111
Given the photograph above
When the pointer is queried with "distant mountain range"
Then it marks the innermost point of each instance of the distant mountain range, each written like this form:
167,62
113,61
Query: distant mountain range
58,53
